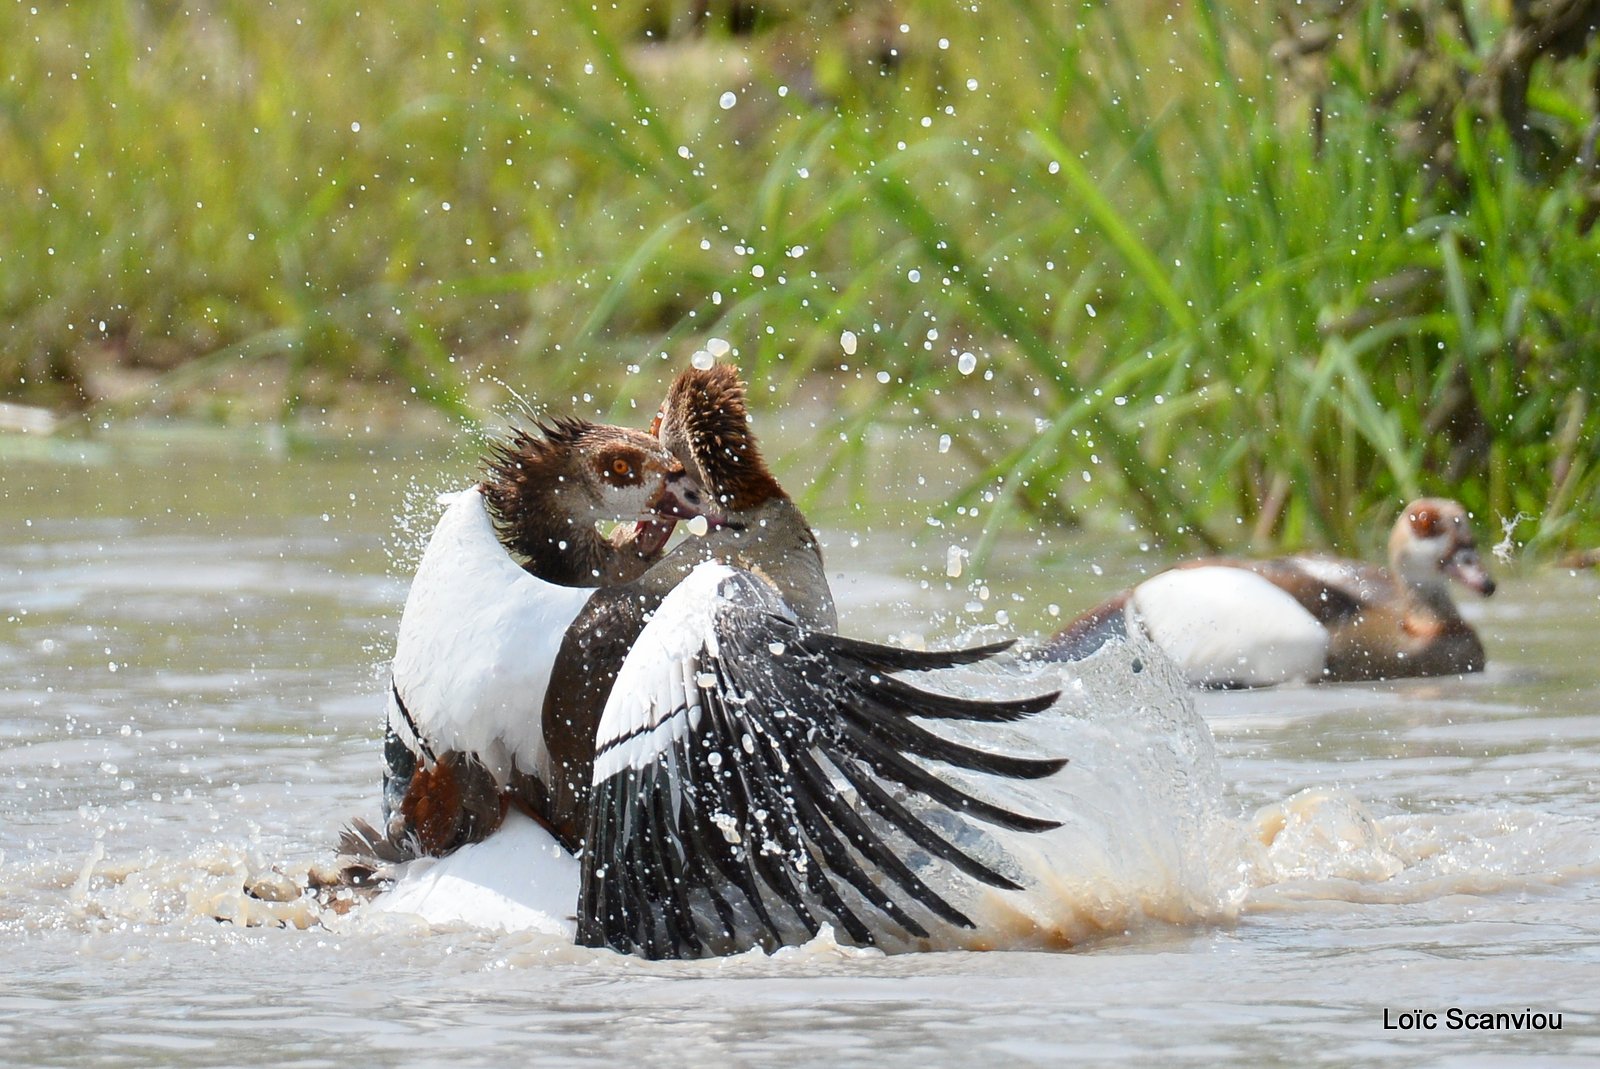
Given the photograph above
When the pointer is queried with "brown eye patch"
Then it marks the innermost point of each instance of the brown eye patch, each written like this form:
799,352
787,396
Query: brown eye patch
619,469
1426,523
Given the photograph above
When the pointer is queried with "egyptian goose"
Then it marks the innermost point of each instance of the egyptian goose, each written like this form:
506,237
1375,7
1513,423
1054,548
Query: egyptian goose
1236,623
480,630
732,773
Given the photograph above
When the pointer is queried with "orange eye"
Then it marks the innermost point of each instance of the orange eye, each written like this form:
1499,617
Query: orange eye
621,467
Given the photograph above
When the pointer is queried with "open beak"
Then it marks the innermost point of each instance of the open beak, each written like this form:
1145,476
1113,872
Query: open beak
1466,568
650,536
675,502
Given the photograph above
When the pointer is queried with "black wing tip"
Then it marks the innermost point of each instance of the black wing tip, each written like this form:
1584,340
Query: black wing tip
899,658
1036,704
854,876
935,705
1035,825
994,814
1035,767
973,654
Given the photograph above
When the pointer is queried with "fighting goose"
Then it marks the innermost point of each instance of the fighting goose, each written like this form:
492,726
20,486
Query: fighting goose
1308,618
749,775
718,817
479,630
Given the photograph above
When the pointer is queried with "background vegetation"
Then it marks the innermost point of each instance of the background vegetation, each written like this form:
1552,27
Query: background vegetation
1246,273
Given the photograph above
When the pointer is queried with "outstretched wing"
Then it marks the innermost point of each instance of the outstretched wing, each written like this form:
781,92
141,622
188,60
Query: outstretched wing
743,782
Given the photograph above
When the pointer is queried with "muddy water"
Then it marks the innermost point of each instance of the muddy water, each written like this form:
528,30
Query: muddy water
190,641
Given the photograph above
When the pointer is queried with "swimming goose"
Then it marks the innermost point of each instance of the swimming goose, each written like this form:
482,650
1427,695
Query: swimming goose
1236,623
732,773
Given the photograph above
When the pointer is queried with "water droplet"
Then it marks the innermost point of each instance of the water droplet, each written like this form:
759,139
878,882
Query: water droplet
718,347
967,363
847,342
944,443
954,558
702,360
728,100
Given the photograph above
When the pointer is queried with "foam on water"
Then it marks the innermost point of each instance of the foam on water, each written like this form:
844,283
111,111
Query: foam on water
1143,838
1320,846
211,883
1149,836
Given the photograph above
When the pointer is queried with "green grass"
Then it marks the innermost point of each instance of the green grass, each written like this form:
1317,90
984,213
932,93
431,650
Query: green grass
1182,309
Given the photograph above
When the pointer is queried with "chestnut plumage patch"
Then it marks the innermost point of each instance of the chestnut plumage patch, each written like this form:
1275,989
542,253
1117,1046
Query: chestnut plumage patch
1426,522
450,802
1435,517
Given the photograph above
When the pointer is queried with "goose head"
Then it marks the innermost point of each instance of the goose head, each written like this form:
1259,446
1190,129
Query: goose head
705,424
555,484
1431,543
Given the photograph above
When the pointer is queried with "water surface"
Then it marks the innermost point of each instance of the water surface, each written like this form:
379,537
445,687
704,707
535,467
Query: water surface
190,646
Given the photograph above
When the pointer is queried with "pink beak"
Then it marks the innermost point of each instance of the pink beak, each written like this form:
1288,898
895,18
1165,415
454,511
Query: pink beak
680,499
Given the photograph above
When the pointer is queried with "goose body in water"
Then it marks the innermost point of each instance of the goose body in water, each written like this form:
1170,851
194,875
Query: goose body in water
1307,618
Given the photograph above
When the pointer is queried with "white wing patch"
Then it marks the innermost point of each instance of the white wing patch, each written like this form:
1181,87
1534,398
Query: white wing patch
477,642
1229,626
656,699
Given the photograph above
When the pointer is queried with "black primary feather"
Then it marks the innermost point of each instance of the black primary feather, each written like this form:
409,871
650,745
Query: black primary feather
742,832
